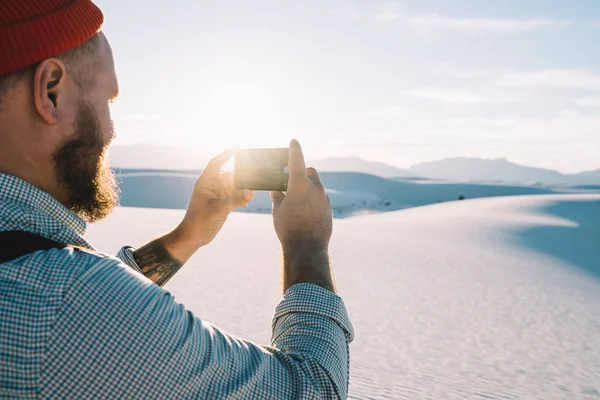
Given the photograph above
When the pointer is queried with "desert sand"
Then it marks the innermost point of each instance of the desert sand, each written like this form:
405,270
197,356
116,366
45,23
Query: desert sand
495,298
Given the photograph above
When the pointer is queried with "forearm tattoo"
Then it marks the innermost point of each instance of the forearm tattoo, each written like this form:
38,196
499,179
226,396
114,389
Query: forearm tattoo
156,263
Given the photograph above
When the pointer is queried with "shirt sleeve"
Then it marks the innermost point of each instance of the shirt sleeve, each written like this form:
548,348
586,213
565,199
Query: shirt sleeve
118,335
126,255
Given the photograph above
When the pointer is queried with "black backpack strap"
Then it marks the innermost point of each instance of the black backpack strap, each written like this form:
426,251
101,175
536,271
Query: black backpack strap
15,244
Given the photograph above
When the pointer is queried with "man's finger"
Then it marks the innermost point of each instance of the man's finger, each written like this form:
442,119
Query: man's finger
214,166
248,195
277,198
313,175
297,166
226,180
241,198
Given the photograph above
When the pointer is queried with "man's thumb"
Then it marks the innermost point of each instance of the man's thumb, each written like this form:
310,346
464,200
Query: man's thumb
277,198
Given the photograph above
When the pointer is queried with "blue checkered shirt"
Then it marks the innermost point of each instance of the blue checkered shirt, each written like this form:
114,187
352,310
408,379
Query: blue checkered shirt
83,325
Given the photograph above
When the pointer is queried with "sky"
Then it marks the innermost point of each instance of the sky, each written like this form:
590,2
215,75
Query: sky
400,82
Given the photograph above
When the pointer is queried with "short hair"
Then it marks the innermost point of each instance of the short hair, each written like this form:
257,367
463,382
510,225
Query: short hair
77,61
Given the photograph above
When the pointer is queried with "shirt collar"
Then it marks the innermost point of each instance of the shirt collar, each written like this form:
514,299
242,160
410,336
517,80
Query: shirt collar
18,191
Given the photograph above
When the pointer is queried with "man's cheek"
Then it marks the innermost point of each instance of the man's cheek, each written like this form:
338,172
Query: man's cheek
107,125
113,131
108,131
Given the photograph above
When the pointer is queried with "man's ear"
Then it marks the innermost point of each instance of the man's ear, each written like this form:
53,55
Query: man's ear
49,89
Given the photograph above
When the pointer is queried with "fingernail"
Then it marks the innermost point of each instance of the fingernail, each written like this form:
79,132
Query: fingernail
247,194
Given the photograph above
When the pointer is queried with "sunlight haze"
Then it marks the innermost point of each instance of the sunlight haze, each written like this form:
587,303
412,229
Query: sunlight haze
399,82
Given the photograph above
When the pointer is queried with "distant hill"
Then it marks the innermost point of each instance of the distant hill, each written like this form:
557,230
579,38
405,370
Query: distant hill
356,164
460,169
477,169
588,177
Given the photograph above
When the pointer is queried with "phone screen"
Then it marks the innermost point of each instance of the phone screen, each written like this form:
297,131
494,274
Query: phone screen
261,169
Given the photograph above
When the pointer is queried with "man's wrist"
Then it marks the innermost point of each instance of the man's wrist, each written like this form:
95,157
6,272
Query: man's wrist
162,258
307,266
181,245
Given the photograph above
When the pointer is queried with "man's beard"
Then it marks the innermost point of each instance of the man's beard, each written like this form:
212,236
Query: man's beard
83,169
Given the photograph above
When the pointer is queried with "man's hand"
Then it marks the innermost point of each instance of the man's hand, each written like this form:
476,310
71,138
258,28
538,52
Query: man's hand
303,223
214,198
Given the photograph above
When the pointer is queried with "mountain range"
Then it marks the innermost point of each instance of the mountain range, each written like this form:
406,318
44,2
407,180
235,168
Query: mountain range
460,169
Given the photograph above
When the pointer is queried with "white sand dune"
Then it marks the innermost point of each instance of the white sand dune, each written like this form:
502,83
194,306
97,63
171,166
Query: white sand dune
351,193
483,299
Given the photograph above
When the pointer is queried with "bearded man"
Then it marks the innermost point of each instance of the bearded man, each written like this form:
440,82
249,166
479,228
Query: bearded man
80,324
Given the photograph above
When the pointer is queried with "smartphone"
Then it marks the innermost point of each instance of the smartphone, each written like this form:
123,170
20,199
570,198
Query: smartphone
261,169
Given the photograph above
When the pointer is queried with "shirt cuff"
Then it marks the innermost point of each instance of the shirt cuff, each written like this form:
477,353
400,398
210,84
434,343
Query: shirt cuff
126,255
312,298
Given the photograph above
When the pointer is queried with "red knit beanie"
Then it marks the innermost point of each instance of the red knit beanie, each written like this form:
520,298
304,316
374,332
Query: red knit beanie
34,30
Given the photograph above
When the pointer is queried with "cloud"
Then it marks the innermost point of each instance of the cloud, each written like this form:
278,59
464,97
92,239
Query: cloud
435,23
388,12
588,102
565,78
568,78
348,10
480,122
143,117
453,97
454,71
395,110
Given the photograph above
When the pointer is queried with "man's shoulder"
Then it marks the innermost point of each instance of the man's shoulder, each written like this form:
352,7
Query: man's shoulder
68,258
56,270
